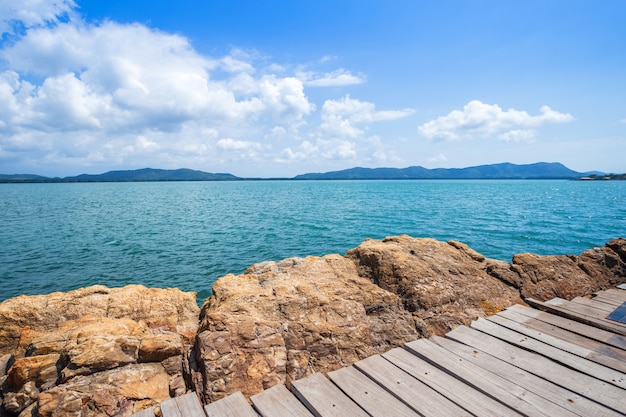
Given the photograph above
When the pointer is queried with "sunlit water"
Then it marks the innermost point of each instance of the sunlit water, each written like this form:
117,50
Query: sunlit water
58,237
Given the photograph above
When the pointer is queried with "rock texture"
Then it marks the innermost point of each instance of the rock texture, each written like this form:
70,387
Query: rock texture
282,321
442,284
100,351
95,351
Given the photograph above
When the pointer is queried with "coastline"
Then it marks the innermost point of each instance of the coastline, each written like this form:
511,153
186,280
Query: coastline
276,323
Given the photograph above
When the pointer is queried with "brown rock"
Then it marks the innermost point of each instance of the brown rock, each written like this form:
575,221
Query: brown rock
282,321
60,348
443,284
41,369
120,392
166,309
546,277
619,247
16,402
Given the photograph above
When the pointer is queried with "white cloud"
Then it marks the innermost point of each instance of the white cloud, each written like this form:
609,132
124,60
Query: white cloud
31,13
517,136
340,77
341,117
233,145
479,119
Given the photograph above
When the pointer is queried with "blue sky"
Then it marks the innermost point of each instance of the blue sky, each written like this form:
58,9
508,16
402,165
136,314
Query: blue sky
275,88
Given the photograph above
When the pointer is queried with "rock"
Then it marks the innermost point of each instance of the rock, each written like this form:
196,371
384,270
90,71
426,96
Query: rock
16,402
619,247
569,276
166,309
443,284
122,391
282,321
41,369
95,351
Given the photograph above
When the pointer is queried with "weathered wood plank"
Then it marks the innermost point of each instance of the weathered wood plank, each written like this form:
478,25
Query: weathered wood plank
417,395
324,399
556,354
607,298
573,326
506,392
593,303
169,408
278,401
562,344
370,396
586,310
189,405
590,387
578,316
235,405
569,400
147,412
594,346
614,292
455,390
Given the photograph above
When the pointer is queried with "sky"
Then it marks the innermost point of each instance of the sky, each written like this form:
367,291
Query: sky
276,88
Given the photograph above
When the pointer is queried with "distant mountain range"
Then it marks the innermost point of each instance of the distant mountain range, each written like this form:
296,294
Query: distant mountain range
540,170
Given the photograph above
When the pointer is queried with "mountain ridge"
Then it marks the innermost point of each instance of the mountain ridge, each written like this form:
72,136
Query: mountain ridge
506,170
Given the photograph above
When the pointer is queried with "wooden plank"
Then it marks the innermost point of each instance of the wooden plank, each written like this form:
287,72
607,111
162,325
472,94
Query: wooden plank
573,326
169,408
586,310
556,354
278,401
608,298
506,392
617,294
235,405
189,405
562,345
585,385
417,395
146,412
569,400
323,398
593,345
578,316
453,389
593,303
370,396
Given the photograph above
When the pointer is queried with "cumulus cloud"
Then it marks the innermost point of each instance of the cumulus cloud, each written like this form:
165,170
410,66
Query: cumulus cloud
342,117
478,119
80,95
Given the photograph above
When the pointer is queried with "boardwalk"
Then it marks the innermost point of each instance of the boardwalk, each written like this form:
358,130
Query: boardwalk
558,358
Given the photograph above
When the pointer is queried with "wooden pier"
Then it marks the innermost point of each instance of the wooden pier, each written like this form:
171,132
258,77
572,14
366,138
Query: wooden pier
556,358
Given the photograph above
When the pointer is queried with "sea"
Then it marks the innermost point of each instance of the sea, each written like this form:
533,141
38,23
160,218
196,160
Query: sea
59,237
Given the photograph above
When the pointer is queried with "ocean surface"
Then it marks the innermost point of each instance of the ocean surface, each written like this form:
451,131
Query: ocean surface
59,237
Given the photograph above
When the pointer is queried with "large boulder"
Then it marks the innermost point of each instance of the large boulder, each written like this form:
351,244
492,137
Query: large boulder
443,284
282,321
569,276
95,351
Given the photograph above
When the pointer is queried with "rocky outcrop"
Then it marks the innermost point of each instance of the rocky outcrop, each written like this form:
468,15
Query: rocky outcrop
95,351
101,351
282,321
442,284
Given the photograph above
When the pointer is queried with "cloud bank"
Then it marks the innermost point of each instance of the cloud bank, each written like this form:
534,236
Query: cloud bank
481,120
76,95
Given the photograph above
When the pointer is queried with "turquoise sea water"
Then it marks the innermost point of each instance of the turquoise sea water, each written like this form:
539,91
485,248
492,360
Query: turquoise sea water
58,237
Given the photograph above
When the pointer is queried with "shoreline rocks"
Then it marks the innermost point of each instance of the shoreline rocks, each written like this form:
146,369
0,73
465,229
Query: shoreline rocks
114,351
